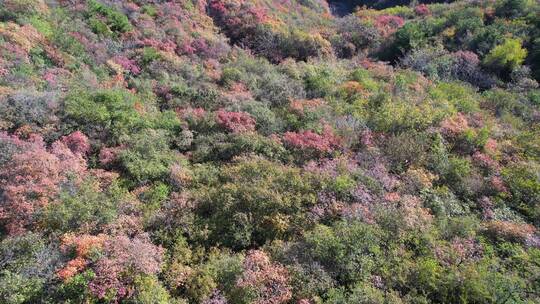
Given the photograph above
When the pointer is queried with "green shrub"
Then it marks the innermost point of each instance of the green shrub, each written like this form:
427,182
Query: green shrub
507,56
256,201
347,250
86,208
148,156
115,20
523,181
109,113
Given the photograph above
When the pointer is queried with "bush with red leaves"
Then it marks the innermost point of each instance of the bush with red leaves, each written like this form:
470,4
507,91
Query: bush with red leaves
31,179
422,10
235,122
77,142
326,142
123,259
268,281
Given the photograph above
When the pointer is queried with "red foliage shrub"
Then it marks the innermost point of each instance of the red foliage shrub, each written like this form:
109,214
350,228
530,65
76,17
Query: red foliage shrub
414,215
300,106
454,126
236,122
459,251
367,139
485,161
237,18
124,258
498,184
389,21
486,206
31,180
332,167
467,57
269,281
388,24
510,231
77,142
191,113
109,155
491,147
127,64
308,140
238,93
422,10
165,45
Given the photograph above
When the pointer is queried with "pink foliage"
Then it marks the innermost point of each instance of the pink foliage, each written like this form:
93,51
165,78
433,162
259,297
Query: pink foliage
108,155
82,245
388,24
70,162
238,18
186,48
327,142
485,161
498,184
491,146
467,57
77,142
389,20
454,126
269,281
3,71
486,206
49,76
200,45
361,194
215,298
191,113
31,180
459,251
376,168
124,257
422,10
328,206
128,64
414,215
331,167
366,139
359,211
511,231
165,45
238,93
235,122
300,106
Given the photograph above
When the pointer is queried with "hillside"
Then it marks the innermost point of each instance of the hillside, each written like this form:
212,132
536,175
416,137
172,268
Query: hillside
269,151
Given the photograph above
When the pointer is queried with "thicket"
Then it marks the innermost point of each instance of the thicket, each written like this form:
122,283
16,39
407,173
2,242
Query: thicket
232,151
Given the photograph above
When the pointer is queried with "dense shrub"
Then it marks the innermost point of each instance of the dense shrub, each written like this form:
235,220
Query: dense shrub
235,122
299,151
106,113
114,21
258,201
524,184
506,56
147,156
30,109
32,179
28,264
